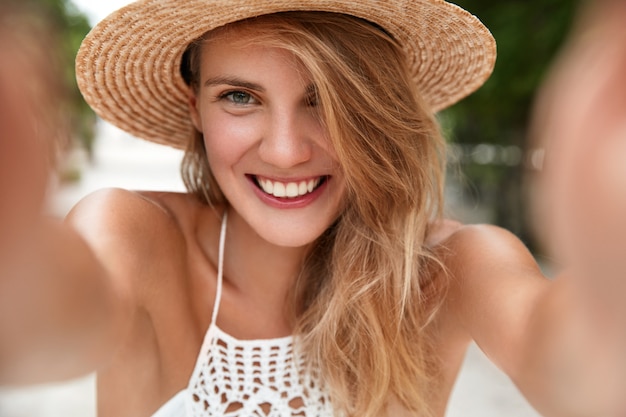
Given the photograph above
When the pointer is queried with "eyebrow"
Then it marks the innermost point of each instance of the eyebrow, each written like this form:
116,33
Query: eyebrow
234,81
310,90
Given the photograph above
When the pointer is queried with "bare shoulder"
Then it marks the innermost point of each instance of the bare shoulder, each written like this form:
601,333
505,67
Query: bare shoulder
133,234
484,244
486,265
132,214
491,271
494,284
475,241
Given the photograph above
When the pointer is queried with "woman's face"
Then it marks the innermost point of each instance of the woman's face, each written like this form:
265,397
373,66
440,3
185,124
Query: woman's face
266,145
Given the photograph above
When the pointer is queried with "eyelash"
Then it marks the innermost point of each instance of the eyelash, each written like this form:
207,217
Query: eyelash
311,101
228,95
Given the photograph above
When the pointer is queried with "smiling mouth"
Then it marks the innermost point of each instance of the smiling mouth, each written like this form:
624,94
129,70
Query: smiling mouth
293,189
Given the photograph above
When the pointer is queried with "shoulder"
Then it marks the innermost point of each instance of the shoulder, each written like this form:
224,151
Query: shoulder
494,279
113,212
475,243
135,235
135,208
478,246
488,267
494,286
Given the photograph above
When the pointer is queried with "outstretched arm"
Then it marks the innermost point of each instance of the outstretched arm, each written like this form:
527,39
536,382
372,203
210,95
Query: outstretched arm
61,313
564,341
580,121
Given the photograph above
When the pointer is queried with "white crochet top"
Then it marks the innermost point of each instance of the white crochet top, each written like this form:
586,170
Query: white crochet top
247,378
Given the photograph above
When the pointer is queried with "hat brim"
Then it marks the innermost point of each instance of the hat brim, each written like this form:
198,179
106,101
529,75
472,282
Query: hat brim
128,66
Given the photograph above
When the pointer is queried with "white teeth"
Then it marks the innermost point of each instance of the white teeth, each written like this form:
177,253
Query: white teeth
279,189
290,189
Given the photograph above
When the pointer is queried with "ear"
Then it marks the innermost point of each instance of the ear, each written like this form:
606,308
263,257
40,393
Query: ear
194,110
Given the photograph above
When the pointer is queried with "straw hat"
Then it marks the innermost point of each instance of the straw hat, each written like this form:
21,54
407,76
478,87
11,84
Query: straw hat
128,66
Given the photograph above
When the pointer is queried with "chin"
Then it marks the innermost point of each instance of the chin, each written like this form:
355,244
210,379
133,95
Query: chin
292,239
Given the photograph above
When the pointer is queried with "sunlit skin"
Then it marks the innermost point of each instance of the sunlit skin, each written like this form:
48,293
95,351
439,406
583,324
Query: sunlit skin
151,261
256,109
23,159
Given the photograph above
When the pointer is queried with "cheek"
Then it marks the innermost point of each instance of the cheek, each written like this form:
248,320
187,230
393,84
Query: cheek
226,143
321,137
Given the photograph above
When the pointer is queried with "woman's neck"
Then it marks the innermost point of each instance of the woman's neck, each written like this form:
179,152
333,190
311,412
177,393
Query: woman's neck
257,269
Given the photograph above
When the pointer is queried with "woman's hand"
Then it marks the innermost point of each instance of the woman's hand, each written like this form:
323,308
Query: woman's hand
580,200
25,140
580,121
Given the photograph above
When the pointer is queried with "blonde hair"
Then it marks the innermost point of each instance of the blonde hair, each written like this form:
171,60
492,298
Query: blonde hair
367,290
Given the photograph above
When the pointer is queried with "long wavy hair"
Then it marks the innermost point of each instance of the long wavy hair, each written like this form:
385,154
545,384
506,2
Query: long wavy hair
370,286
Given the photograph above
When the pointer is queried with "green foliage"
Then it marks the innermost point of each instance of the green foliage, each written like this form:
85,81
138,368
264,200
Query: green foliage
73,27
528,34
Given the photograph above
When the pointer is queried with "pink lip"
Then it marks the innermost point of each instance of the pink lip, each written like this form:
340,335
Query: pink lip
289,203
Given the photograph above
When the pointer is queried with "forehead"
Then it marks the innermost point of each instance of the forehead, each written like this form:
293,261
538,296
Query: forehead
249,47
257,32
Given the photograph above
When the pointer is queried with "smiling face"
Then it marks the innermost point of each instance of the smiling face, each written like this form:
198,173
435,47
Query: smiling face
265,142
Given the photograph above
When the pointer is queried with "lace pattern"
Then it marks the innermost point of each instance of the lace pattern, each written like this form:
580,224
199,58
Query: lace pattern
252,378
255,378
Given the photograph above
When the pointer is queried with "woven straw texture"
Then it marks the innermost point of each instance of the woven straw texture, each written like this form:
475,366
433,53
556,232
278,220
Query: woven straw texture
128,67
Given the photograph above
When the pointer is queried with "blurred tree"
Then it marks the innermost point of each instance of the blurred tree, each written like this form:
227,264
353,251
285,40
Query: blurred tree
72,26
528,34
64,22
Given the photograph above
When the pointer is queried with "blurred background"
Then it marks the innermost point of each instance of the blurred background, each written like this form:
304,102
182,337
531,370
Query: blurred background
488,160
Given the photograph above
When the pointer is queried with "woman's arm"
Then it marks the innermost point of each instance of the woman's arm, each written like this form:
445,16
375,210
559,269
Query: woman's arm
580,121
65,298
564,357
564,342
65,302
69,297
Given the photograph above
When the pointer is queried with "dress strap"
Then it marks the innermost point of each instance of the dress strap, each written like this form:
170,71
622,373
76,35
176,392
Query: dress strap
220,269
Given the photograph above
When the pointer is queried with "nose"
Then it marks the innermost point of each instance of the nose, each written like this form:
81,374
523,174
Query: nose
286,142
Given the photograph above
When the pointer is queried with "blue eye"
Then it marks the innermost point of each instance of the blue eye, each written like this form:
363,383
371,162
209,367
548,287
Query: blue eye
238,97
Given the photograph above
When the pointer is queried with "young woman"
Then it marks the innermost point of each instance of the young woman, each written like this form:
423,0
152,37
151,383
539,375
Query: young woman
308,271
